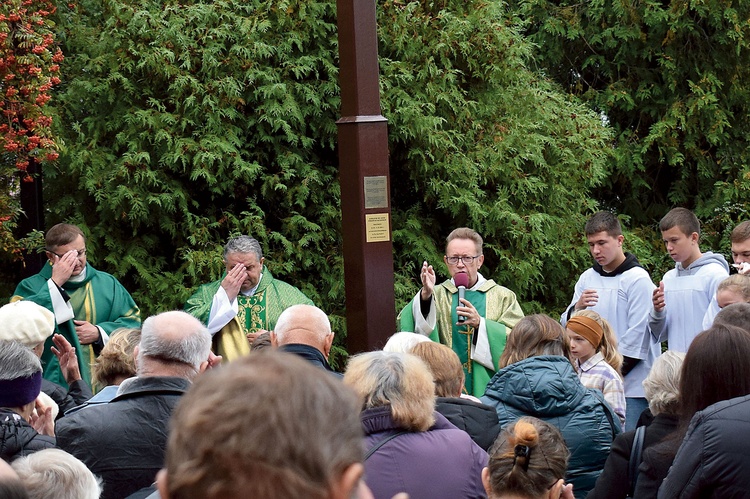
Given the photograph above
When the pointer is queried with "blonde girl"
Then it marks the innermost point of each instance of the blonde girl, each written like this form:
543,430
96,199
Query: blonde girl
593,348
733,289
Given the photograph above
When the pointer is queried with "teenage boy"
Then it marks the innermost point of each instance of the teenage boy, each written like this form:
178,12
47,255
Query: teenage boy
620,290
685,295
740,239
741,247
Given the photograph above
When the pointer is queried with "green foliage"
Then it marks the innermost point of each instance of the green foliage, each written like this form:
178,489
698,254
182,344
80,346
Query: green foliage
477,139
671,79
186,123
29,67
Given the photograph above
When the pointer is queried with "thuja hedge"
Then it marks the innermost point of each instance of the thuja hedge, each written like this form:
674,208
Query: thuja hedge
186,123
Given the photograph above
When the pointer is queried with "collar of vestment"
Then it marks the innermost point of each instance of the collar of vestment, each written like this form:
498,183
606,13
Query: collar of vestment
483,285
90,271
251,292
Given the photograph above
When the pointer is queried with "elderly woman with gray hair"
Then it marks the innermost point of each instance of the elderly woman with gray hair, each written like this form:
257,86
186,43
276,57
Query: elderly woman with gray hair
662,392
410,447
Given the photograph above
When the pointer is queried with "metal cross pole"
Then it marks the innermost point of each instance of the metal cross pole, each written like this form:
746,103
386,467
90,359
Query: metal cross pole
365,182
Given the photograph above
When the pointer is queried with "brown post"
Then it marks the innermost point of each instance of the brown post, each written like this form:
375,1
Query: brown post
365,182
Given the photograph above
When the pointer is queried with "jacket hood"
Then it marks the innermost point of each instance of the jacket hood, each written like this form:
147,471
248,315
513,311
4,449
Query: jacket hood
630,262
707,258
543,386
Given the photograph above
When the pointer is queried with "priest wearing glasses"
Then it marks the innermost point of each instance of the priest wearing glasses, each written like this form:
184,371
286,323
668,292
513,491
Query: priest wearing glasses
88,304
476,326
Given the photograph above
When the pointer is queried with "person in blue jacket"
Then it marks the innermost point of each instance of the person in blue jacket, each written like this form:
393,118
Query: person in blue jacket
536,378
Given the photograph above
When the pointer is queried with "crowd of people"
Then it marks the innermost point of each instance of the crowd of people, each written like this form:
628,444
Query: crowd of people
234,396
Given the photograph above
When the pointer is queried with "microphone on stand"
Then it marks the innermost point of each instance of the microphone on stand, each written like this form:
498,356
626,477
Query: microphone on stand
461,280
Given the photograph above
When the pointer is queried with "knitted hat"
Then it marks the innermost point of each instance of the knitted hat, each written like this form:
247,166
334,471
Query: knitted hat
586,327
26,322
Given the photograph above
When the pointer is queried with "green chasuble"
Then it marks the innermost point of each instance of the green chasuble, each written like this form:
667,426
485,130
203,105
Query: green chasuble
260,311
99,299
498,306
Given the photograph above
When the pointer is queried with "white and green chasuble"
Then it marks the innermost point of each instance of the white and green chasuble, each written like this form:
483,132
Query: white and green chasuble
499,310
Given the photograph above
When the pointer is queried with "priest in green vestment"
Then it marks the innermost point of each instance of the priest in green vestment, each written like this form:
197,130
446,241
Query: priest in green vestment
245,302
88,304
488,309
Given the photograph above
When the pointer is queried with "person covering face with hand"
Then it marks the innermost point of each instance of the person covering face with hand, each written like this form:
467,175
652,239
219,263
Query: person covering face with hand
88,304
246,302
489,310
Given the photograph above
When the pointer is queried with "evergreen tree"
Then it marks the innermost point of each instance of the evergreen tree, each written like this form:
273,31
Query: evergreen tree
189,122
671,78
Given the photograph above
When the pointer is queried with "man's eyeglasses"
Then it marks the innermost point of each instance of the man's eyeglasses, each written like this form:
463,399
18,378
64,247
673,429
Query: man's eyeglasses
466,260
80,253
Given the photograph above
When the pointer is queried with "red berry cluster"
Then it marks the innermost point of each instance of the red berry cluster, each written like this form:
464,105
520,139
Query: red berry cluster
29,68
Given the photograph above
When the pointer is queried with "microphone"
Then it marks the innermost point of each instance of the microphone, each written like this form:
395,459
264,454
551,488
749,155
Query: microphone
462,280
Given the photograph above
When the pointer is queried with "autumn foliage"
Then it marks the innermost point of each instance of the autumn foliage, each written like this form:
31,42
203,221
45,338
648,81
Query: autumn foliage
29,68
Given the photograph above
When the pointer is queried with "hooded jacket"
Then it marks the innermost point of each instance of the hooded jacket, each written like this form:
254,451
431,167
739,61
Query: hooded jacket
690,298
18,438
547,387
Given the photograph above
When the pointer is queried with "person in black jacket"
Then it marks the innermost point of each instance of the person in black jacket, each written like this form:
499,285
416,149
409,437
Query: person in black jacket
715,369
713,459
123,441
20,380
661,387
467,413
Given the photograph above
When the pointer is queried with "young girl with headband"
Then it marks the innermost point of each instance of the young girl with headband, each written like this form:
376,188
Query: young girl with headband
594,350
528,460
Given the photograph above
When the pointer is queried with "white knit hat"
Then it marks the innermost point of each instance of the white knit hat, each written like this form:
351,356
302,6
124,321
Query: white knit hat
26,322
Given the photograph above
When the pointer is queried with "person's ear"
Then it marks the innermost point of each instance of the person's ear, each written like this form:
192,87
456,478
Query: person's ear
328,343
161,484
274,339
555,492
486,481
480,261
620,239
203,367
348,482
694,237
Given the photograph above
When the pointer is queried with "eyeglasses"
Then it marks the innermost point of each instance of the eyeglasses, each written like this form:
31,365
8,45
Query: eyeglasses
80,253
466,260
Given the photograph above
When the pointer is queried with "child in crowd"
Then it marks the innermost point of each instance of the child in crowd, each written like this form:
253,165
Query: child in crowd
529,459
733,289
594,350
685,299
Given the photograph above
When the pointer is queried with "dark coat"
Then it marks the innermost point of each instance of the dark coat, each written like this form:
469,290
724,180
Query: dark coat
478,420
713,460
547,387
124,440
311,355
18,438
442,462
613,482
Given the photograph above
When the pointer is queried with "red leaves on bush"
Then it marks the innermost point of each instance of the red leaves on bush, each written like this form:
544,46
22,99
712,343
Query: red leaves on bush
28,60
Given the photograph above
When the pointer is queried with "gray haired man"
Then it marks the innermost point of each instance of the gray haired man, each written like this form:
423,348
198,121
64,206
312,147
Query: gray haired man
245,302
123,441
